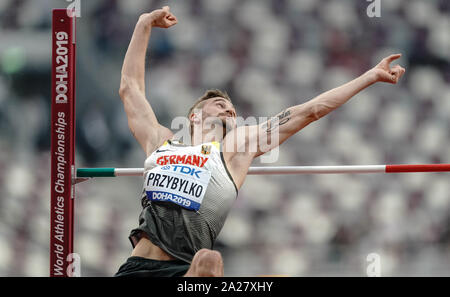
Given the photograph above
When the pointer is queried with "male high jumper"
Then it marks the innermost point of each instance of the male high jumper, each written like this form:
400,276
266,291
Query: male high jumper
190,188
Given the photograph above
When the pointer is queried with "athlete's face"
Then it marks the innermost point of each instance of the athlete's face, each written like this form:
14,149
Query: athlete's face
219,111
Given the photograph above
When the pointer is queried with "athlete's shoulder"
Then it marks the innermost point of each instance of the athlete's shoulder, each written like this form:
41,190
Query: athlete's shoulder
208,146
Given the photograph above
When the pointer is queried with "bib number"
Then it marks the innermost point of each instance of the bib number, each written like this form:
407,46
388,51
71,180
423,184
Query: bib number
183,185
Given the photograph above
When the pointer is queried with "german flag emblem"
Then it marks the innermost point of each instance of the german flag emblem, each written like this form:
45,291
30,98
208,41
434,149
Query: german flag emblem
206,149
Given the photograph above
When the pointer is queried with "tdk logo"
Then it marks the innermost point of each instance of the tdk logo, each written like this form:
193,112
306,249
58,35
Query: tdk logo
182,169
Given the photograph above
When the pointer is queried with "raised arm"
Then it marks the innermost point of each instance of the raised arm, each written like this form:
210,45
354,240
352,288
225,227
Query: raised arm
293,119
141,118
261,138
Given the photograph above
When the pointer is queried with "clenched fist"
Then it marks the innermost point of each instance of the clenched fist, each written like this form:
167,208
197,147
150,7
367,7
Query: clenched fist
161,18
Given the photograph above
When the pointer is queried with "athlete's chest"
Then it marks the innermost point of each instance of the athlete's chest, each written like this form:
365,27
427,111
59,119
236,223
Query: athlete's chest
200,155
180,174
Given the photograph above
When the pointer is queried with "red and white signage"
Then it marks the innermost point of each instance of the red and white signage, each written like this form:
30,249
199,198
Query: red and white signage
62,143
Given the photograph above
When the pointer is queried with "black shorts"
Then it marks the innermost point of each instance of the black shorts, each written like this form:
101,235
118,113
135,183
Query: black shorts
142,267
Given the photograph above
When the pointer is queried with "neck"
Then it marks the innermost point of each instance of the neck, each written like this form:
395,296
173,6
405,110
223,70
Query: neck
205,137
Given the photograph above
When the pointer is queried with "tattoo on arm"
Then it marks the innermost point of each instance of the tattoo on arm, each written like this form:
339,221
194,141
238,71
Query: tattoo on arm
277,121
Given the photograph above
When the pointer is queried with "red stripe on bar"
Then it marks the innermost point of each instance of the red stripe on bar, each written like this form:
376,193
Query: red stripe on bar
418,168
62,142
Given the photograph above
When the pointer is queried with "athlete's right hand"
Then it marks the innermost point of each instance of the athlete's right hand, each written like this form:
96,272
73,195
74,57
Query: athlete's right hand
161,18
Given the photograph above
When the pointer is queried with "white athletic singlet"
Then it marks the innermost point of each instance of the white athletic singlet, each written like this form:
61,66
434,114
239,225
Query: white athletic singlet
187,195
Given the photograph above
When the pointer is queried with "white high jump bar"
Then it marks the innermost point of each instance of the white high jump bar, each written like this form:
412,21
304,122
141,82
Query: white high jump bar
358,169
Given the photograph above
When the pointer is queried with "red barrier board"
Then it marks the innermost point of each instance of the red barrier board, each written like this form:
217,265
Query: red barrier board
62,142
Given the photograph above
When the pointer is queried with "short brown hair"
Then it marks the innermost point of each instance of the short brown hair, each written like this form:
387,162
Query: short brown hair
212,93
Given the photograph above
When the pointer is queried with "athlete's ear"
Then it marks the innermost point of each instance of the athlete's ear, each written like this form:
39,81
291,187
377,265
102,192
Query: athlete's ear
195,118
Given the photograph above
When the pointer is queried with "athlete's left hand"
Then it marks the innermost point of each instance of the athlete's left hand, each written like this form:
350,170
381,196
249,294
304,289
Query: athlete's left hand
385,73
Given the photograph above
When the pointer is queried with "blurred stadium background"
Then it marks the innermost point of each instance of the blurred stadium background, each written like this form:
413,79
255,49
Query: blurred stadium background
268,55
